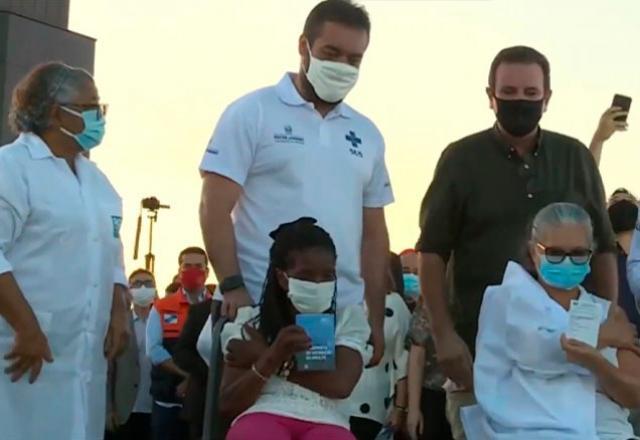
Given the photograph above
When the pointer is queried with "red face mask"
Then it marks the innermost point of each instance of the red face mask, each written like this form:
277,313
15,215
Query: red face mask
193,279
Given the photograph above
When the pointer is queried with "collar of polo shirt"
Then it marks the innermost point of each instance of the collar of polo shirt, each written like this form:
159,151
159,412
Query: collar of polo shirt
288,94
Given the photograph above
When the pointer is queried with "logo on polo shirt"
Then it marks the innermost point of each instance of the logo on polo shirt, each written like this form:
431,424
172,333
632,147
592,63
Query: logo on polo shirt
170,318
288,137
355,142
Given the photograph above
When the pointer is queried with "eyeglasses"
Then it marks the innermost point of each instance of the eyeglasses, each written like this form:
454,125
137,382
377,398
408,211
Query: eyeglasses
146,283
556,255
102,108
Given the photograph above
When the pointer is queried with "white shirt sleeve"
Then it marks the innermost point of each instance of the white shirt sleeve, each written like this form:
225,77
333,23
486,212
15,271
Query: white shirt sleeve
204,343
232,147
14,208
633,263
233,330
378,192
352,328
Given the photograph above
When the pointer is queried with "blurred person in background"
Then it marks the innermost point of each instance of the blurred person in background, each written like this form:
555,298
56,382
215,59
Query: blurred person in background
426,419
186,357
379,400
131,402
169,382
410,279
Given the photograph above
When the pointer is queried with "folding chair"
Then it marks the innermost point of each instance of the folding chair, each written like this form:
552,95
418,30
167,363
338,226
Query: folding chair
215,427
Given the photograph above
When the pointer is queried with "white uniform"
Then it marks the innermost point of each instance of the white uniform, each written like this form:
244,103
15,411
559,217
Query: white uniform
291,163
525,387
59,236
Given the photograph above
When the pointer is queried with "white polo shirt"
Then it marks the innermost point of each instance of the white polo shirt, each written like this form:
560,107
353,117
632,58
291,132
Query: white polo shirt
293,163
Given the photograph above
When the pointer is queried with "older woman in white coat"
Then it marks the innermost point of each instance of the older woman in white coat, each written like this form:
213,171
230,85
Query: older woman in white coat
62,309
533,383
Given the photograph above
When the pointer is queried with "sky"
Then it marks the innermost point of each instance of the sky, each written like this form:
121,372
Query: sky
168,70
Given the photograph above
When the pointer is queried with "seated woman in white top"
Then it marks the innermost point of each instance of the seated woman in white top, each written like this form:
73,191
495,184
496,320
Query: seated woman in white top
531,382
270,397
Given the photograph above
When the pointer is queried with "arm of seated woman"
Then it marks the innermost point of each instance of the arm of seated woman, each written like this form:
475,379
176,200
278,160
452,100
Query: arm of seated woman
336,384
621,383
241,387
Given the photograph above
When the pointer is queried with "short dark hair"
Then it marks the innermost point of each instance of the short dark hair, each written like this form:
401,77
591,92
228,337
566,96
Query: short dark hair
338,11
172,288
621,191
193,250
520,55
141,271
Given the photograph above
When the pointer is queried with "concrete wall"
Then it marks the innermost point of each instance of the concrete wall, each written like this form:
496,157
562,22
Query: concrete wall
25,43
53,12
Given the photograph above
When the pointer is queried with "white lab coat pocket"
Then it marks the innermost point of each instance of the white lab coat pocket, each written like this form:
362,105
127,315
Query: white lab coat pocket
110,221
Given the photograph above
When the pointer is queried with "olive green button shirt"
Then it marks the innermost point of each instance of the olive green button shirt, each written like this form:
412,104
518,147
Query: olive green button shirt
481,203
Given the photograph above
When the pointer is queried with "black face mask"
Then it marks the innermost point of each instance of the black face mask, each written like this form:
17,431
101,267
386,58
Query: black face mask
519,117
623,216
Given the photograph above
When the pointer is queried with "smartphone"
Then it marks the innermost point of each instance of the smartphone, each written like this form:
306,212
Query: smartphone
624,102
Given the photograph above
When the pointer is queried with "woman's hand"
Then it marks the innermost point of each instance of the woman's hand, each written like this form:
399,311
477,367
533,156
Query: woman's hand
30,350
415,423
397,419
608,124
580,353
290,340
245,353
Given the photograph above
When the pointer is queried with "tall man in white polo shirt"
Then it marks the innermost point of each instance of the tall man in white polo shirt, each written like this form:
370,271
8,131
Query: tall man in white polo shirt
293,150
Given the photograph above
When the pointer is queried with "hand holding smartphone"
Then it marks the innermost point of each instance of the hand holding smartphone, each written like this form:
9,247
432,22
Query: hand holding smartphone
623,103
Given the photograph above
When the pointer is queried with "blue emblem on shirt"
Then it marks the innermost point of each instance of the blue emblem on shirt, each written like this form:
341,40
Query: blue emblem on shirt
355,142
117,223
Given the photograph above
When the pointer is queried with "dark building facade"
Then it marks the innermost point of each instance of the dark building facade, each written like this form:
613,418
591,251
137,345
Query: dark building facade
34,32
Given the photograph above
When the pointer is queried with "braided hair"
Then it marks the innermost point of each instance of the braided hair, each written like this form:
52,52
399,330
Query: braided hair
300,235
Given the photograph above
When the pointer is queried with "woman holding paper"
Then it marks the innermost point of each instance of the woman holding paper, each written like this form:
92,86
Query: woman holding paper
533,379
264,383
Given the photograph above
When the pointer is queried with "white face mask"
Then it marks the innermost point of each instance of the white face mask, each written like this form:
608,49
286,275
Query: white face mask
309,297
331,80
143,296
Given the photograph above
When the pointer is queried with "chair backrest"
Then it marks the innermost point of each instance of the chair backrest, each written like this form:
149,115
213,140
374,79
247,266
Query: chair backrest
214,425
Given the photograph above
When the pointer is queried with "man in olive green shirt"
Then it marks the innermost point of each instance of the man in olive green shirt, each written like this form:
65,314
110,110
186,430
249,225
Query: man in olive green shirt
485,191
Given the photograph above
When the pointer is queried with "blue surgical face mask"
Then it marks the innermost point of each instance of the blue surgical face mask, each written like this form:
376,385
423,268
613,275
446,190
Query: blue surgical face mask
411,285
565,275
94,128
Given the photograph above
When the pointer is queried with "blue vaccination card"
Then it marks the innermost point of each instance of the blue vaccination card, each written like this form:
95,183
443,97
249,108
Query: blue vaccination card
322,355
